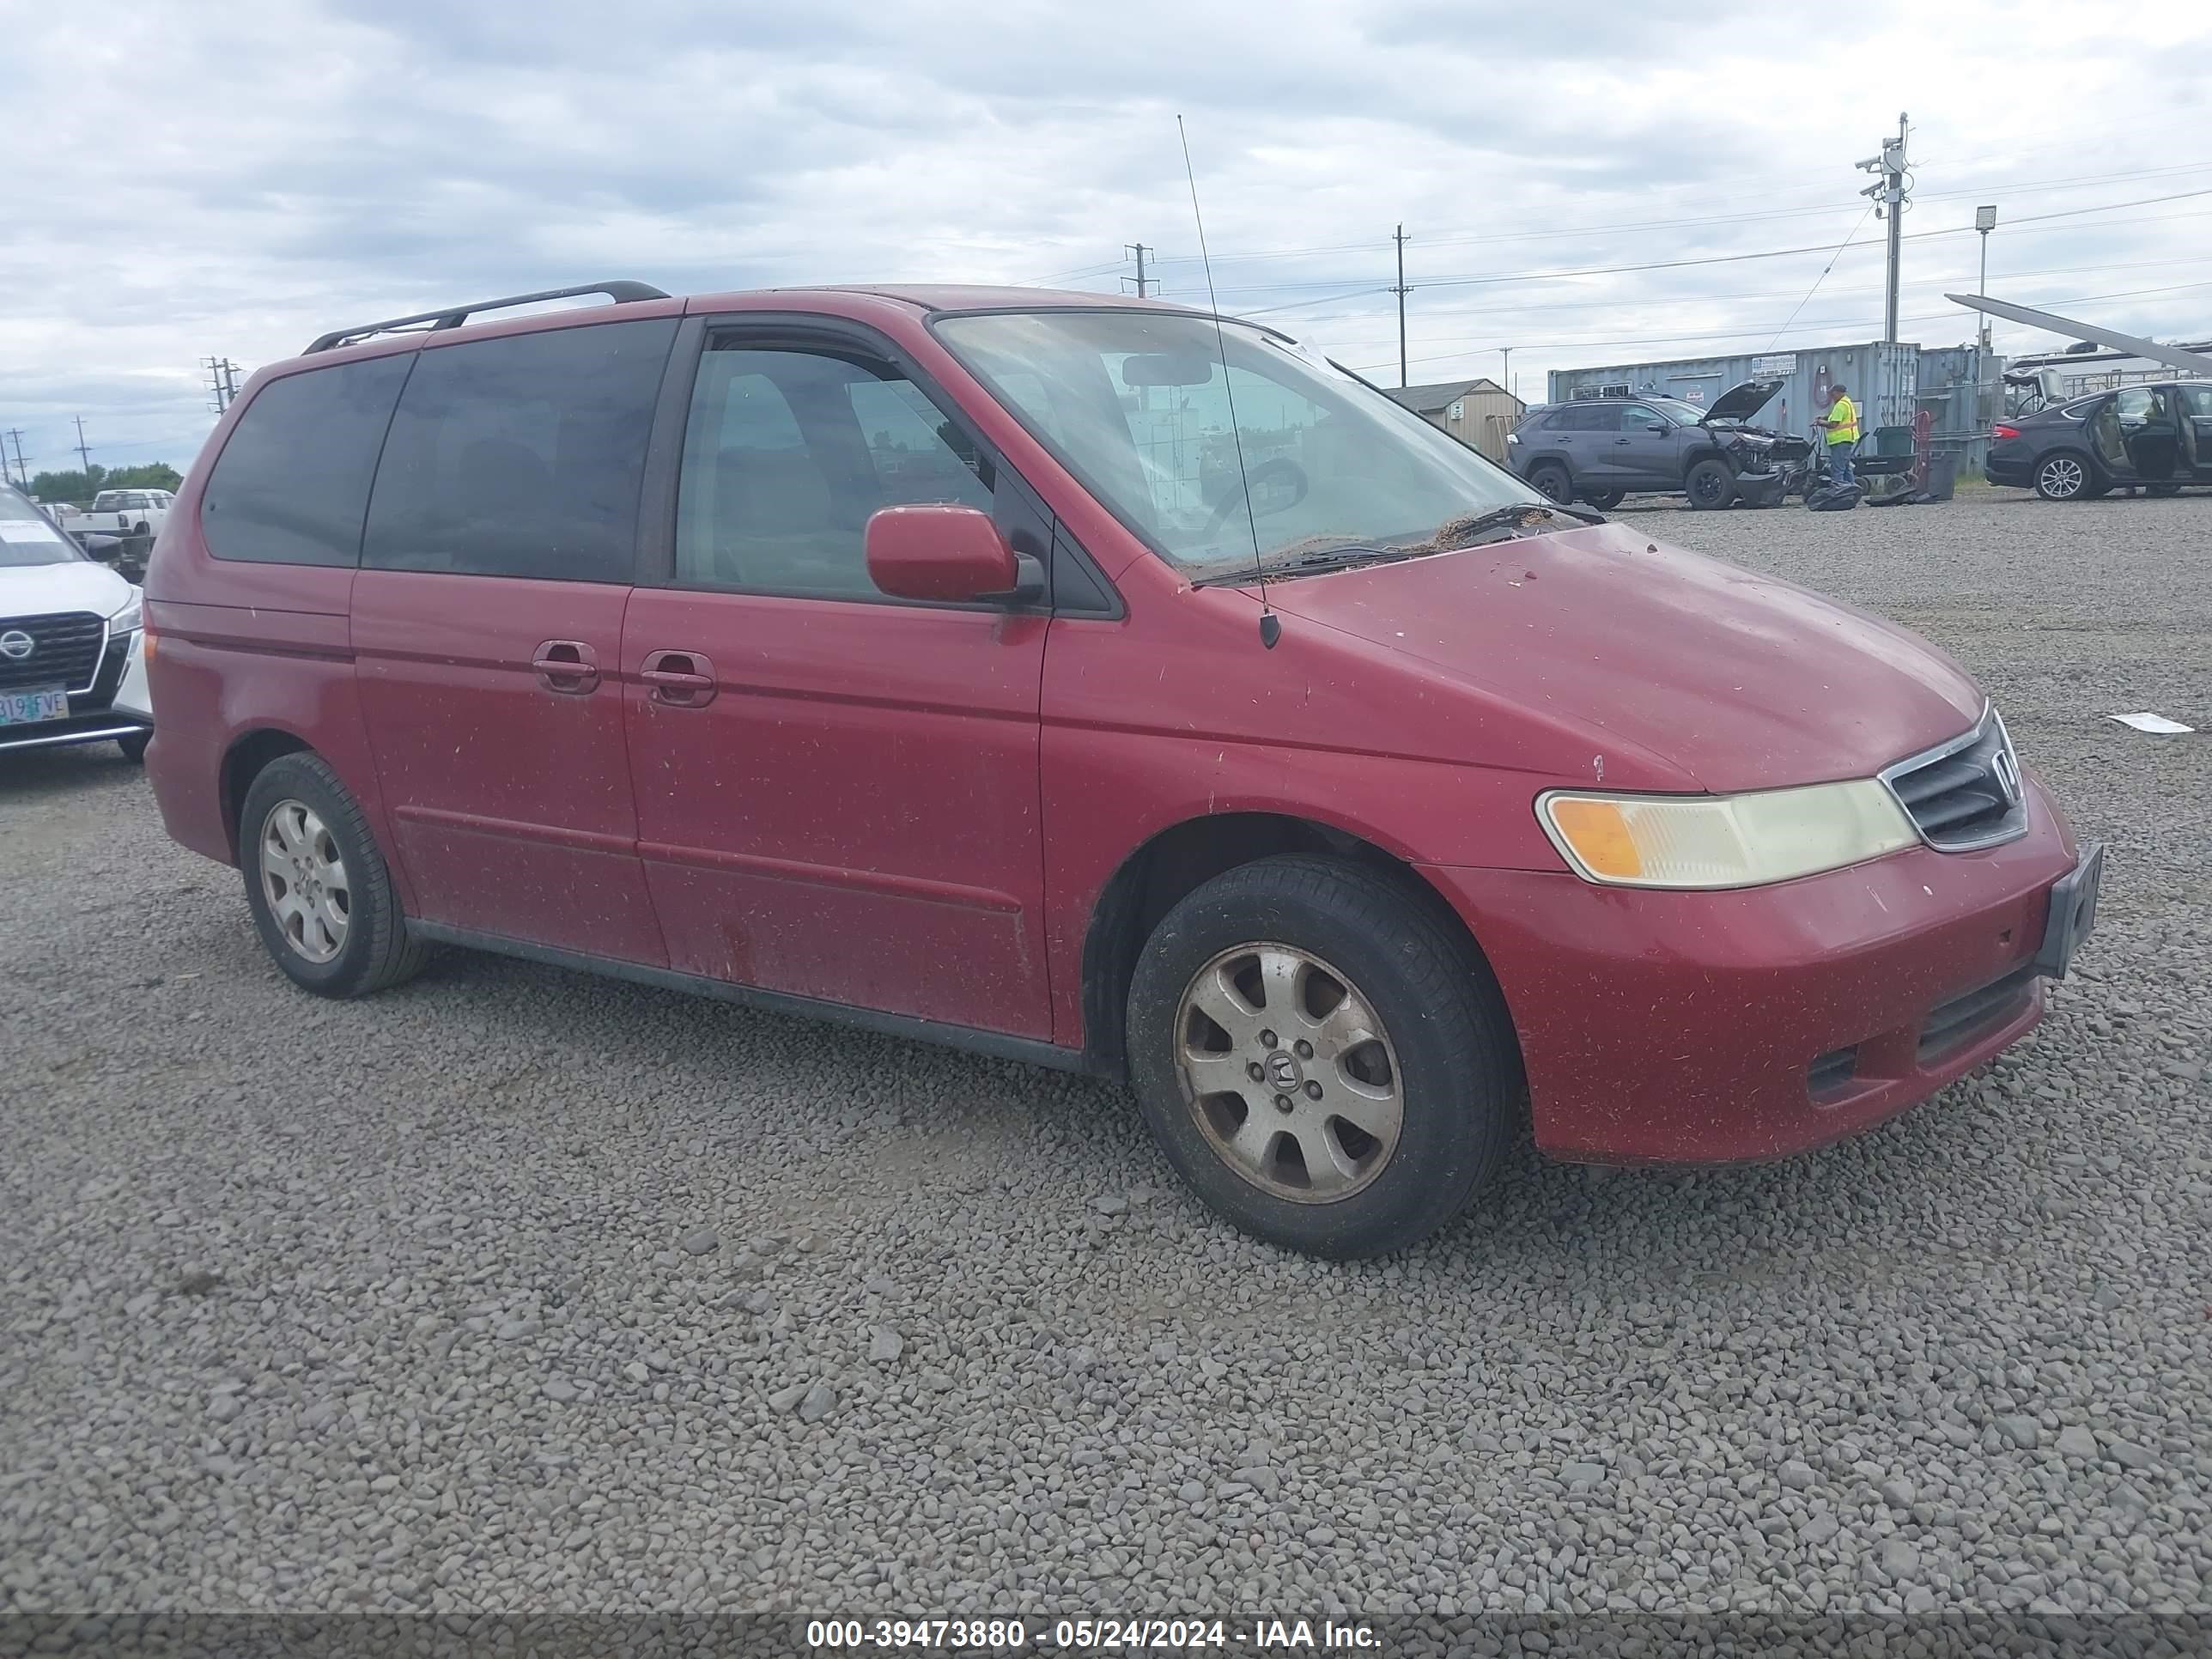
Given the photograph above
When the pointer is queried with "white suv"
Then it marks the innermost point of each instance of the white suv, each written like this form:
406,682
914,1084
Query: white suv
69,640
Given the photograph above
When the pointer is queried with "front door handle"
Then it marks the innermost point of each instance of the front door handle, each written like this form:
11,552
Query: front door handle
678,679
568,667
1620,441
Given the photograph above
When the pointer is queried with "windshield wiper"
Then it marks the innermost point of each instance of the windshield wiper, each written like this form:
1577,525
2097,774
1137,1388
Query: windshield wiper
1312,564
1515,515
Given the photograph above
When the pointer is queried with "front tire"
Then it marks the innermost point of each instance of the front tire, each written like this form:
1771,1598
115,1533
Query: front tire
2063,477
321,896
1323,1061
1603,500
134,747
1710,484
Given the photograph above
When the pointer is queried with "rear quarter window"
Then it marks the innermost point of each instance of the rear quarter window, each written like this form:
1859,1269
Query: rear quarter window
291,486
521,456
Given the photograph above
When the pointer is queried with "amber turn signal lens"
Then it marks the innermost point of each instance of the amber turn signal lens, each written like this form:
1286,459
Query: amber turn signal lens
1599,834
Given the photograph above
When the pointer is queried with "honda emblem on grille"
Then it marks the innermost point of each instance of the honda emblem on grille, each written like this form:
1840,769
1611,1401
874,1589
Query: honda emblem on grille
15,645
2006,771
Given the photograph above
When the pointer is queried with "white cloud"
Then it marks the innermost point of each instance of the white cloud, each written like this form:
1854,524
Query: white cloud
186,179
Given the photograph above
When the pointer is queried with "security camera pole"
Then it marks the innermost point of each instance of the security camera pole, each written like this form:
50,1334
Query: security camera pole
1888,193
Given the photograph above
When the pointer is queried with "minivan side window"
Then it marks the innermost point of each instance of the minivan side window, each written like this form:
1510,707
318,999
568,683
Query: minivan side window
291,485
787,453
521,456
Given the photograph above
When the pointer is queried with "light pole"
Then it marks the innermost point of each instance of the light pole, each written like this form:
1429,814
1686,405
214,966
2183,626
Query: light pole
1985,221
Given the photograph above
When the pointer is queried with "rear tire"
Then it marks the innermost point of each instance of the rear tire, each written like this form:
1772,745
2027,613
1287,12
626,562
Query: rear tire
1551,480
1603,500
316,885
1710,484
1346,998
134,747
2065,476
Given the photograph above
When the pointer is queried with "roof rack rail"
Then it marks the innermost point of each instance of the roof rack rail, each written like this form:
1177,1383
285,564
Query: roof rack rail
622,293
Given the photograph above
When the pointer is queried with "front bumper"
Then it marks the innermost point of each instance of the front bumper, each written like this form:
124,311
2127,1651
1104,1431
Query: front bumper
104,711
1726,1027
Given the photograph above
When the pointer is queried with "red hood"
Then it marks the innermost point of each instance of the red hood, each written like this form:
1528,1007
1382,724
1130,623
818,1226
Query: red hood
1742,681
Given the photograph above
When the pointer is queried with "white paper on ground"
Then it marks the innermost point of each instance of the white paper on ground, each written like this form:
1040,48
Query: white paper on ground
2149,722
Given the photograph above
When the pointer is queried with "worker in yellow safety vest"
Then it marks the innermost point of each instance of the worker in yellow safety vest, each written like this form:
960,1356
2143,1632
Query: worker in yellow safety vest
1841,424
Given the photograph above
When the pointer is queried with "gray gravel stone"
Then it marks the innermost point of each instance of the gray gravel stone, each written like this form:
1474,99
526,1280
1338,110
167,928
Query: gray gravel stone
1746,1356
821,1399
2077,1442
885,1344
1897,1493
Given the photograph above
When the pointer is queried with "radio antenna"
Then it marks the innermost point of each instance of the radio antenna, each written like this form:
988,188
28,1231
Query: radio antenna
1271,625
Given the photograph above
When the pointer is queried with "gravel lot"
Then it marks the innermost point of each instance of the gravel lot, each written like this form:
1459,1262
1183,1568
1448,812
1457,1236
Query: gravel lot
516,1290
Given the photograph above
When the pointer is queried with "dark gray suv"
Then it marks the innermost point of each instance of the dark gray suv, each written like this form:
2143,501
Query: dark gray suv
1602,448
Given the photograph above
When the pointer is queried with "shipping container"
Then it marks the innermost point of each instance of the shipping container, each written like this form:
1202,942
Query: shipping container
1886,382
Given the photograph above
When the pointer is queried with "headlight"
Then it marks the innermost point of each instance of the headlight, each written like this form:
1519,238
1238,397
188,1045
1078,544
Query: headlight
129,617
1723,841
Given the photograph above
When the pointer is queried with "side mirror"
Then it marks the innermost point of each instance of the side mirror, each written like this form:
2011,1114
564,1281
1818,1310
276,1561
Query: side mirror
942,551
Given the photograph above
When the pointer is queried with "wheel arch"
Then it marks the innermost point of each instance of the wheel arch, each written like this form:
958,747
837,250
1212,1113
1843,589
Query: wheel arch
249,754
1174,862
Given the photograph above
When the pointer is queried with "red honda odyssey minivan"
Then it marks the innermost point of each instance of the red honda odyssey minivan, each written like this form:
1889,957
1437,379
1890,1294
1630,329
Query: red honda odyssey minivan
1086,682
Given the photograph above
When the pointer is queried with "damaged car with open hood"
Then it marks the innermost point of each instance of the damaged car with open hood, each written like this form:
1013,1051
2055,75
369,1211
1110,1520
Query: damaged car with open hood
1599,449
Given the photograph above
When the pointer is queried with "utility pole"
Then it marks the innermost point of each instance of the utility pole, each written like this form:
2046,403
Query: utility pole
1402,291
1888,193
1140,251
83,450
21,477
1506,369
222,381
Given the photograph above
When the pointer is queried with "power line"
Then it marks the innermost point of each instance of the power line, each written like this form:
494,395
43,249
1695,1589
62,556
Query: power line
1753,334
1492,278
1615,228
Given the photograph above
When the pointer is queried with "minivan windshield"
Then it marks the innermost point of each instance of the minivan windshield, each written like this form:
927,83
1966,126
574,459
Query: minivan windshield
1136,405
26,537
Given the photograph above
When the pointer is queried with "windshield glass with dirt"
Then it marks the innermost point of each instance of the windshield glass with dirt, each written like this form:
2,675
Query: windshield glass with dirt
26,536
1135,403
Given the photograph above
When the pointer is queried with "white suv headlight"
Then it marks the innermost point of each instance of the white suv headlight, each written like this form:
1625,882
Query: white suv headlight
132,615
1723,840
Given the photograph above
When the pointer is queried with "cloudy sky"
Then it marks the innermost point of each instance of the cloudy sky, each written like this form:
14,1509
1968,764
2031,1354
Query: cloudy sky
187,179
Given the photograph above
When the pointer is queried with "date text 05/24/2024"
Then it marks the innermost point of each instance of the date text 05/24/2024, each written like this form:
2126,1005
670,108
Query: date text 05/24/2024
1090,1635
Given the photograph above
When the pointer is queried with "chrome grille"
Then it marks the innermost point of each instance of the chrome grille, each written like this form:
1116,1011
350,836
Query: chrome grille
64,651
1964,793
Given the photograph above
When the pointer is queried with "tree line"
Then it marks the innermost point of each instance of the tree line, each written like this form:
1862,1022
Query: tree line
80,486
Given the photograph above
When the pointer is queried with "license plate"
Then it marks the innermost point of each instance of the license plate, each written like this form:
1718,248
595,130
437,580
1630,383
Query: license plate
2073,913
29,707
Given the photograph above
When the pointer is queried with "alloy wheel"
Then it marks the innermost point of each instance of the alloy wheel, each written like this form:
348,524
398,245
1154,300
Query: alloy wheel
1289,1072
2062,477
303,877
